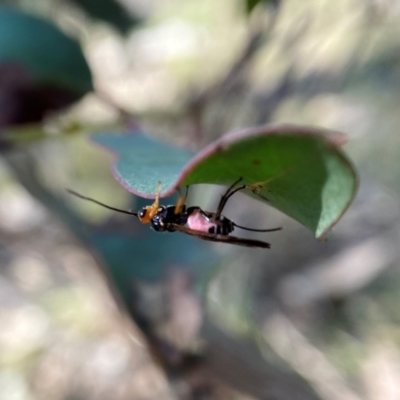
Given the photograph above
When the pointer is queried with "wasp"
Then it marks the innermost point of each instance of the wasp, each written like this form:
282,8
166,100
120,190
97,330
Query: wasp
193,221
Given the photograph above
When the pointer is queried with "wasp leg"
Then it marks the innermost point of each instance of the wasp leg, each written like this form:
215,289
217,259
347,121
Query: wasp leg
147,213
227,194
256,188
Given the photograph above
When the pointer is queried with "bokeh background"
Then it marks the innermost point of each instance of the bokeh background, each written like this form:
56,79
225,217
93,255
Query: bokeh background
94,307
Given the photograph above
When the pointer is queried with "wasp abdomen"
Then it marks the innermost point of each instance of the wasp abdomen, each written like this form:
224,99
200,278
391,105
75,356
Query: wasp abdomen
204,221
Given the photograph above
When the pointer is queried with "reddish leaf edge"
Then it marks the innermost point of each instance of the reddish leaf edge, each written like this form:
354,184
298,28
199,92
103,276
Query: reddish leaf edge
334,138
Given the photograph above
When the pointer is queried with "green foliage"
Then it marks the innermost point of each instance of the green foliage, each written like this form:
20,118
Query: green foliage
109,11
251,4
298,170
50,56
143,162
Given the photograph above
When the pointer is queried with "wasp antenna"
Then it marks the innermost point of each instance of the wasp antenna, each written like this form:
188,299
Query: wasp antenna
99,203
279,228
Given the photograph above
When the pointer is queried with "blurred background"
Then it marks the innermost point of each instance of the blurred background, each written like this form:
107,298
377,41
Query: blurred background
92,306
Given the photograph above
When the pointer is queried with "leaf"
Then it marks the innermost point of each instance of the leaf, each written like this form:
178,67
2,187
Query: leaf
109,11
50,57
300,170
251,4
23,102
139,160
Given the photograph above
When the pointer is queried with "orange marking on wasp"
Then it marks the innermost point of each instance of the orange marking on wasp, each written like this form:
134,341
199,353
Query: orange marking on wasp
146,214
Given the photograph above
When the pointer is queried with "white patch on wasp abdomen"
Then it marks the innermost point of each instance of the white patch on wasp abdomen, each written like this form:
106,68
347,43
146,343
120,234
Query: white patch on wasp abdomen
200,220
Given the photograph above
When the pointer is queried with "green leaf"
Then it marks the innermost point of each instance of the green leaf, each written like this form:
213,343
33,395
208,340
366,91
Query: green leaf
251,4
140,159
300,170
109,11
50,56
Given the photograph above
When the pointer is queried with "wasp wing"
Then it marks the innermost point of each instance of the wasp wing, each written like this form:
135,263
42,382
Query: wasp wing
212,237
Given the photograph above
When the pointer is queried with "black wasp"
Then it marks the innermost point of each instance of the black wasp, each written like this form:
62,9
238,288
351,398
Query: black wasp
194,221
